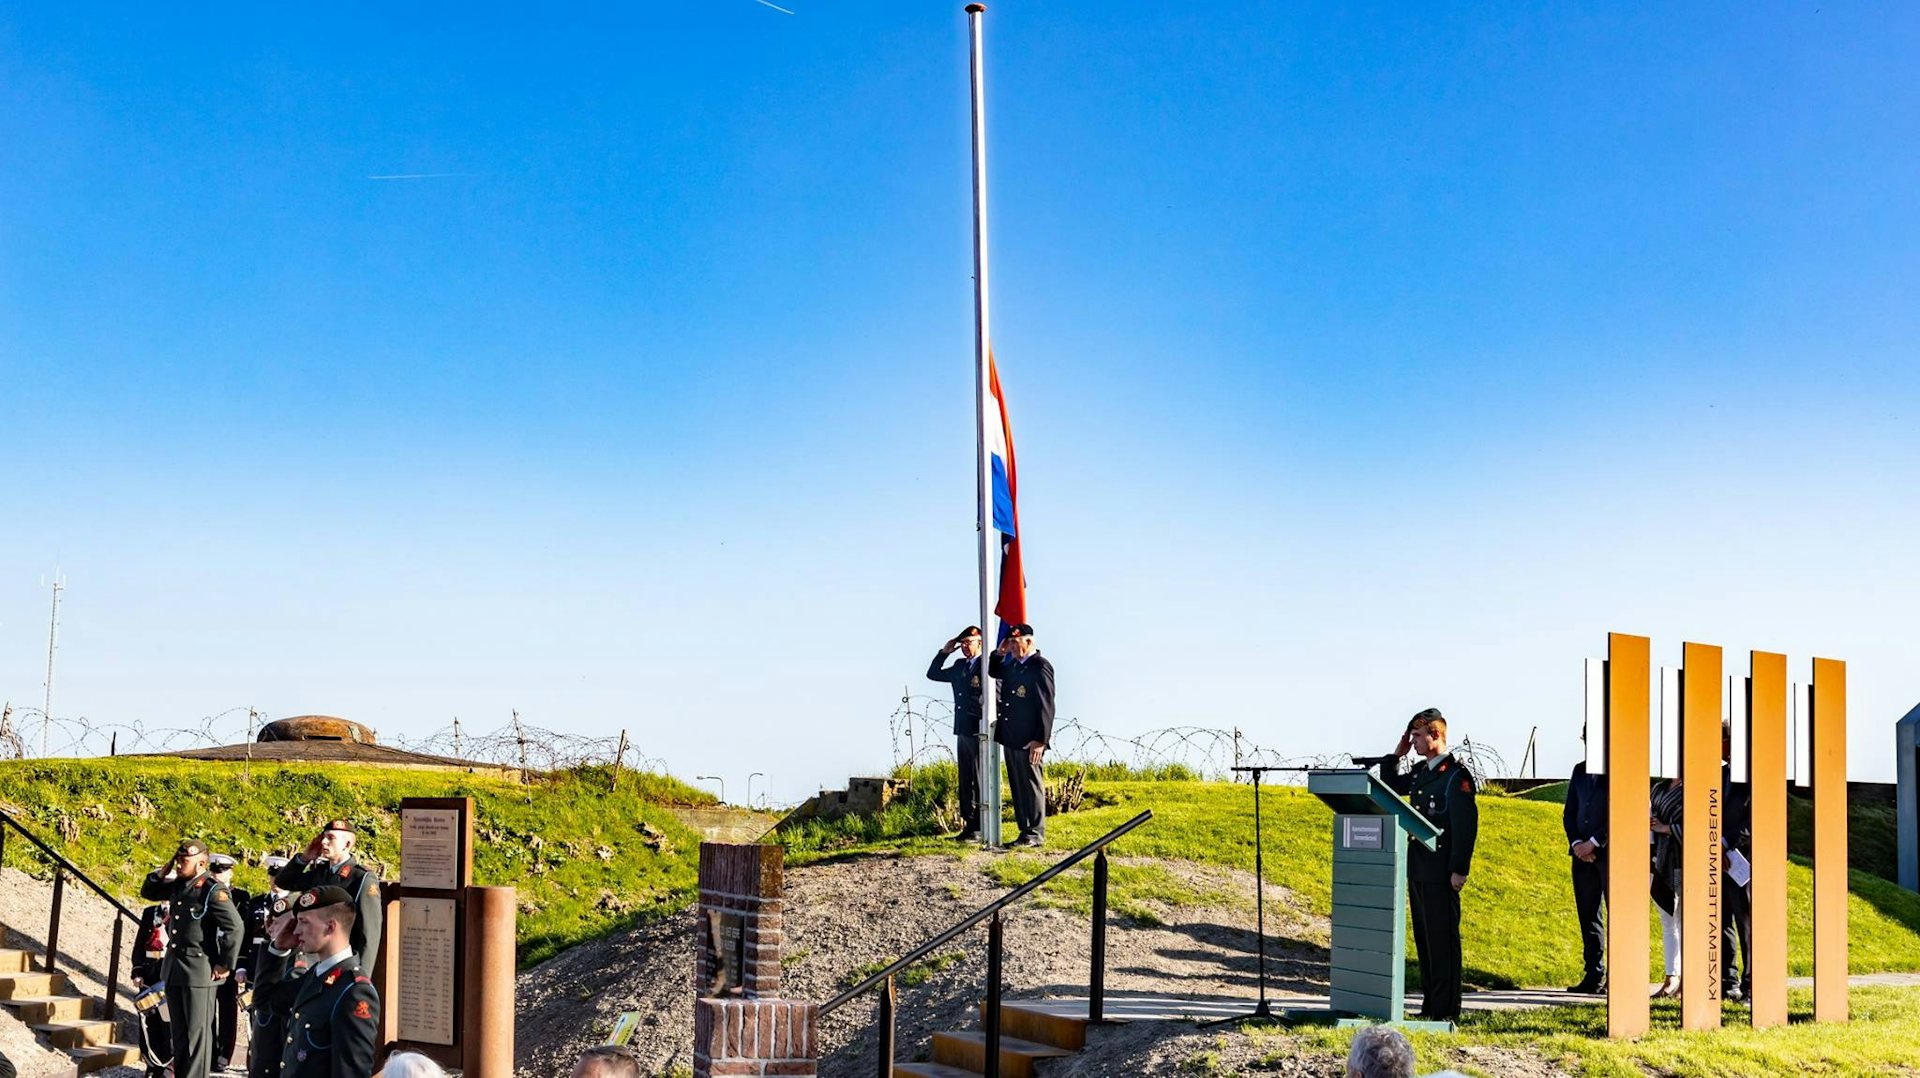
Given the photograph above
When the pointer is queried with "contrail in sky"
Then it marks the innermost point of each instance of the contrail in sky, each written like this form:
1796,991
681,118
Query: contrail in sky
421,176
776,7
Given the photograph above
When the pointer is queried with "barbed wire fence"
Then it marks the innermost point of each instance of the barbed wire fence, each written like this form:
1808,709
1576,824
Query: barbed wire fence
921,728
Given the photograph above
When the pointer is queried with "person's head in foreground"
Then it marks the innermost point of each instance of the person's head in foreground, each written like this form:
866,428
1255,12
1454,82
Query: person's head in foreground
410,1065
1380,1052
608,1061
324,920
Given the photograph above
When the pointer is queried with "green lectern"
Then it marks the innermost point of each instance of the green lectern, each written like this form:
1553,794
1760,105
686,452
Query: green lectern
1371,825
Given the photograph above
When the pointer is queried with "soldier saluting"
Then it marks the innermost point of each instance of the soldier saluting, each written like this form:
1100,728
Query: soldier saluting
204,934
328,860
278,978
333,1022
1441,789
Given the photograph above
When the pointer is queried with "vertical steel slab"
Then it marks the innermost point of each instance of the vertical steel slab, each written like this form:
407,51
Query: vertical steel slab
1700,853
1628,695
1767,733
1829,840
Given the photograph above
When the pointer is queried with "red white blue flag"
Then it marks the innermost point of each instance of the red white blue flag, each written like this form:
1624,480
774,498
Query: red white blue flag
1012,605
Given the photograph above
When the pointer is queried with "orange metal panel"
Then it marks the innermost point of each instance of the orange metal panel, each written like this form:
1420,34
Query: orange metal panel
1829,840
1767,772
1700,853
1628,952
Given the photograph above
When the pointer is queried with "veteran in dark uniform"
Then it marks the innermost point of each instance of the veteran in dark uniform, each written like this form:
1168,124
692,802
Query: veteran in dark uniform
1441,789
328,859
204,934
964,676
333,1022
278,969
226,994
1025,727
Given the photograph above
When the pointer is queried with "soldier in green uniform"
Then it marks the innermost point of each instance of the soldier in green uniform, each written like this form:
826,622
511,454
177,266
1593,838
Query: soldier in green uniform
333,1024
278,969
328,859
204,934
1442,790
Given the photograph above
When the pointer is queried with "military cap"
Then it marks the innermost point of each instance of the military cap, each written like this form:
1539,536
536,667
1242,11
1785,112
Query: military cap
323,896
339,825
221,862
1428,715
273,862
1022,629
281,905
971,630
190,847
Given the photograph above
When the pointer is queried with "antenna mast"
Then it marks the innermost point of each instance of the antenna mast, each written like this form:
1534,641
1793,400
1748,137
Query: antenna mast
53,637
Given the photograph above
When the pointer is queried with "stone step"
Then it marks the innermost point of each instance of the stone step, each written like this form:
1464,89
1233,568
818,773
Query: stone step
39,1009
95,1057
79,1033
931,1070
969,1049
16,985
1038,1024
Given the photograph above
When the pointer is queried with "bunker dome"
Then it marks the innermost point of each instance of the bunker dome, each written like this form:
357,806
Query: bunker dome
318,728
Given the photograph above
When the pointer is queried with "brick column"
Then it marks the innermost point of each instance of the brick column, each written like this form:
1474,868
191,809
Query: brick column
740,1025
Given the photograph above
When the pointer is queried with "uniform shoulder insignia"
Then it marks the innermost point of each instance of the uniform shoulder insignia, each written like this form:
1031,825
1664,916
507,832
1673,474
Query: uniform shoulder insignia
222,896
362,1010
345,870
1466,785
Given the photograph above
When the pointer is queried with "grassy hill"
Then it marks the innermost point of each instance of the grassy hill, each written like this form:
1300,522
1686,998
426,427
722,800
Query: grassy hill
587,859
1518,908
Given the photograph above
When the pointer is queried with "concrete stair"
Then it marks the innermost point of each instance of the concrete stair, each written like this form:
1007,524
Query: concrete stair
1028,1037
64,1019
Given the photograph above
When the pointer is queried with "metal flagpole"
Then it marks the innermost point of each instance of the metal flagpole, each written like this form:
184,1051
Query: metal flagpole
989,752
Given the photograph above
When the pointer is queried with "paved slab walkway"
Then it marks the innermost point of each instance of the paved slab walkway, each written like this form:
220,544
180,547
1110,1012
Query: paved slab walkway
1141,1007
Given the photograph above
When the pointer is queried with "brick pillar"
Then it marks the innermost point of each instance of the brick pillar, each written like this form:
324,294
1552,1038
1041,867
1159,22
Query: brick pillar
740,1025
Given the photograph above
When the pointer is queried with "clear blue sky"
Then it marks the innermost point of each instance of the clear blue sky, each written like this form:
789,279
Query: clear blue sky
1360,361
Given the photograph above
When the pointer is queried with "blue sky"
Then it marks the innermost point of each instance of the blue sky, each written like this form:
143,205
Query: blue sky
1360,360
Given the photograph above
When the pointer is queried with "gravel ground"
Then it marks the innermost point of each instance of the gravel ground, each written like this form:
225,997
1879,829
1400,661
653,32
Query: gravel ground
847,916
86,942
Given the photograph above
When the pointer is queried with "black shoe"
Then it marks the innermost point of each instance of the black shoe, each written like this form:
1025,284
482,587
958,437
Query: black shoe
1031,841
967,836
1588,985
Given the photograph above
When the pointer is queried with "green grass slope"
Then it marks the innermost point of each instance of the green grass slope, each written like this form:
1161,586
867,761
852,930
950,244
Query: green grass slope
586,859
1518,908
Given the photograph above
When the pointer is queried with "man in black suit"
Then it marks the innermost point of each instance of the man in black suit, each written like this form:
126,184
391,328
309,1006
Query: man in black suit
1584,819
964,676
1025,728
1442,789
1736,898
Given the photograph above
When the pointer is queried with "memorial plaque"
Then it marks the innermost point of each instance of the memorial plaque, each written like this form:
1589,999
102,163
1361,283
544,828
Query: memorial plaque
429,940
727,938
430,848
1361,832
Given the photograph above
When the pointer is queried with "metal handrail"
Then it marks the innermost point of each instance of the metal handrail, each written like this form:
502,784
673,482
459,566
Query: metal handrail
985,912
6,819
62,868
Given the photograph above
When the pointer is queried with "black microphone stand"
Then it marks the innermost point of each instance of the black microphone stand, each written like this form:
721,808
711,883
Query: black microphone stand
1262,1011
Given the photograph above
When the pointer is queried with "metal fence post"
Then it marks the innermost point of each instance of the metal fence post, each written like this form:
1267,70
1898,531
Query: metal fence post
113,969
886,1029
1097,982
53,920
993,996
